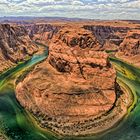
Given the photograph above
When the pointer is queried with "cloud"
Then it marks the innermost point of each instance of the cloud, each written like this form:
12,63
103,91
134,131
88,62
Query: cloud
133,4
94,9
114,1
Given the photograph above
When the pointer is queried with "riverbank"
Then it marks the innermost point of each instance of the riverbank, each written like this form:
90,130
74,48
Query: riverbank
110,120
91,126
101,125
16,122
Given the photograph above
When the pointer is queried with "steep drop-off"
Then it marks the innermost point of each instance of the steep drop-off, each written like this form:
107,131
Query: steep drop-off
74,92
129,49
15,45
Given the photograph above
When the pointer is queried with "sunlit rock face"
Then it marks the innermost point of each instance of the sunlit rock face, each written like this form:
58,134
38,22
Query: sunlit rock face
120,37
131,44
109,36
74,91
73,87
15,45
42,32
129,49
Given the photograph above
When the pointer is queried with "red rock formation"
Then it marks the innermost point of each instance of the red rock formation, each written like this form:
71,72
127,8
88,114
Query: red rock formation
74,91
131,44
109,36
73,87
73,50
42,32
15,45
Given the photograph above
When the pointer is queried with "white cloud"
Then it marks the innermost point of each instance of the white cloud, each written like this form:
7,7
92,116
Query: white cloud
133,4
104,9
75,2
121,1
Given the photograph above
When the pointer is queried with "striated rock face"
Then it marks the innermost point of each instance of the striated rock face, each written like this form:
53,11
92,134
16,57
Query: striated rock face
74,91
42,32
129,49
71,49
120,38
74,88
76,37
131,44
103,33
108,36
15,45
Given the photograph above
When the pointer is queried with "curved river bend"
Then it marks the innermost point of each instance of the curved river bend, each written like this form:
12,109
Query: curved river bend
17,124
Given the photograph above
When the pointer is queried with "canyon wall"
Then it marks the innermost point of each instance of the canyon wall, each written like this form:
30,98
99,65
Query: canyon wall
115,37
110,36
42,32
74,91
15,45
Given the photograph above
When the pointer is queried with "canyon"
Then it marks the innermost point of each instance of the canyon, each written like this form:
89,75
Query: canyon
15,45
73,92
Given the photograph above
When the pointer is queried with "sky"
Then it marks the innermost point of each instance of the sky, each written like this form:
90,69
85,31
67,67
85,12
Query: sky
90,9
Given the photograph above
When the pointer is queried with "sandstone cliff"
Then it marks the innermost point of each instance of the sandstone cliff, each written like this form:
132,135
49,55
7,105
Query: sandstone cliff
120,38
131,43
74,91
104,33
75,87
15,45
43,31
109,35
129,49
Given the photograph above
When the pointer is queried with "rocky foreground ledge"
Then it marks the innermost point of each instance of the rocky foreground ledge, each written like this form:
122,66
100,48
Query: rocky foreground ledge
74,92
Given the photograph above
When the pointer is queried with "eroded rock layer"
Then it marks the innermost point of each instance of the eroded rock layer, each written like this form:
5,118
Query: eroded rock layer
129,49
15,45
74,91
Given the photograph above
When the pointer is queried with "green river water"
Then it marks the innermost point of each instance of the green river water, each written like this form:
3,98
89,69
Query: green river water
17,124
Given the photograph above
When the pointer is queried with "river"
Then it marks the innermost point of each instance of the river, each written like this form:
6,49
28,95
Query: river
17,124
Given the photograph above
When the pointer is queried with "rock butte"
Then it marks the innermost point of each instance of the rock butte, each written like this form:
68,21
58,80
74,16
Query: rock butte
74,91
